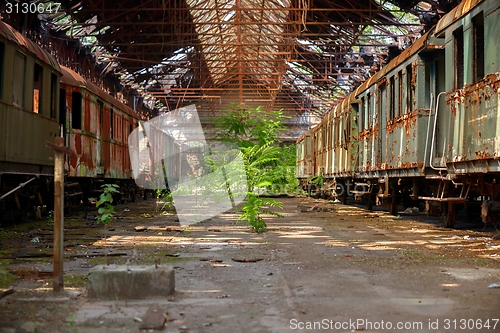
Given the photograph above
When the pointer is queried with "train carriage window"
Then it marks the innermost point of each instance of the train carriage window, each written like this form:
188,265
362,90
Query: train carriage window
400,93
427,79
327,136
382,102
459,58
2,58
332,133
362,119
19,78
478,31
323,137
392,98
76,111
348,126
369,114
100,110
409,88
37,89
111,121
53,95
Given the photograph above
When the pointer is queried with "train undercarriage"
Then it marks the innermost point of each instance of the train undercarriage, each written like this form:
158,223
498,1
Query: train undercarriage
29,196
478,196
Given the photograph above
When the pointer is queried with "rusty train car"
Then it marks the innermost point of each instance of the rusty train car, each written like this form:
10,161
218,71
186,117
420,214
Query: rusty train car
40,100
96,127
425,129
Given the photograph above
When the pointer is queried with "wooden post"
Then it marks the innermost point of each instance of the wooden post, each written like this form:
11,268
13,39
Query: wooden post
59,152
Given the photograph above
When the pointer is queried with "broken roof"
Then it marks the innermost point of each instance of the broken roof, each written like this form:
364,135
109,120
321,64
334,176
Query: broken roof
302,56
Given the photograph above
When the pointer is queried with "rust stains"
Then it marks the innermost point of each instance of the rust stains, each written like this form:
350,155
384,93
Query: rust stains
483,155
408,120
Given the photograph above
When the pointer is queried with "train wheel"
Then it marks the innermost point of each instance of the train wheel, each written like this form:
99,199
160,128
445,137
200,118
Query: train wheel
448,214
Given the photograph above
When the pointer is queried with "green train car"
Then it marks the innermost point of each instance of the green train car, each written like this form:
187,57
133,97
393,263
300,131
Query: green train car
41,100
423,130
29,116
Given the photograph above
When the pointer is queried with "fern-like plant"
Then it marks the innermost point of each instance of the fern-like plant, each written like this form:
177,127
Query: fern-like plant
267,163
254,208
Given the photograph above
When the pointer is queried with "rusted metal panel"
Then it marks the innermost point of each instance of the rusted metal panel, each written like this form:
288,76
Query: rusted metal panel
23,148
95,153
85,113
477,105
342,146
82,158
391,144
72,78
423,42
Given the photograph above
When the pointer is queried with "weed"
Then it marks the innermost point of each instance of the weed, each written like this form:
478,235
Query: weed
6,279
105,203
269,164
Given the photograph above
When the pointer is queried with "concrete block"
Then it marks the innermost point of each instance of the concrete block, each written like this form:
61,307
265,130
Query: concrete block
130,282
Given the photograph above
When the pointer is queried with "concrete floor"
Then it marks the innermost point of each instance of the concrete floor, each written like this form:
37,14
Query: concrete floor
343,269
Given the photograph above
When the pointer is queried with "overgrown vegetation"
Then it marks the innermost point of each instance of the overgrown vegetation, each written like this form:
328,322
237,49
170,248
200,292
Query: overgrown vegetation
105,203
269,164
165,201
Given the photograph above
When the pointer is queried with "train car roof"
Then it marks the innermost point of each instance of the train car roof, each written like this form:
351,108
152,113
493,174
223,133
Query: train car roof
16,37
72,78
413,49
307,132
463,8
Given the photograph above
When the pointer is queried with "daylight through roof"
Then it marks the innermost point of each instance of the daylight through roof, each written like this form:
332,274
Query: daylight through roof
302,56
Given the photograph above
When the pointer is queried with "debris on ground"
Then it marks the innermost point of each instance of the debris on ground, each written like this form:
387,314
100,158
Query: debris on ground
154,319
394,269
246,260
411,210
316,206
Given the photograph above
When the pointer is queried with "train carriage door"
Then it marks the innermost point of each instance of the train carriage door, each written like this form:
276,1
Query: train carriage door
438,85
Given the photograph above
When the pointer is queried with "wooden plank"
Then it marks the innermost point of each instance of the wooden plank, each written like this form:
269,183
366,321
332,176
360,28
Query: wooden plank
453,200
